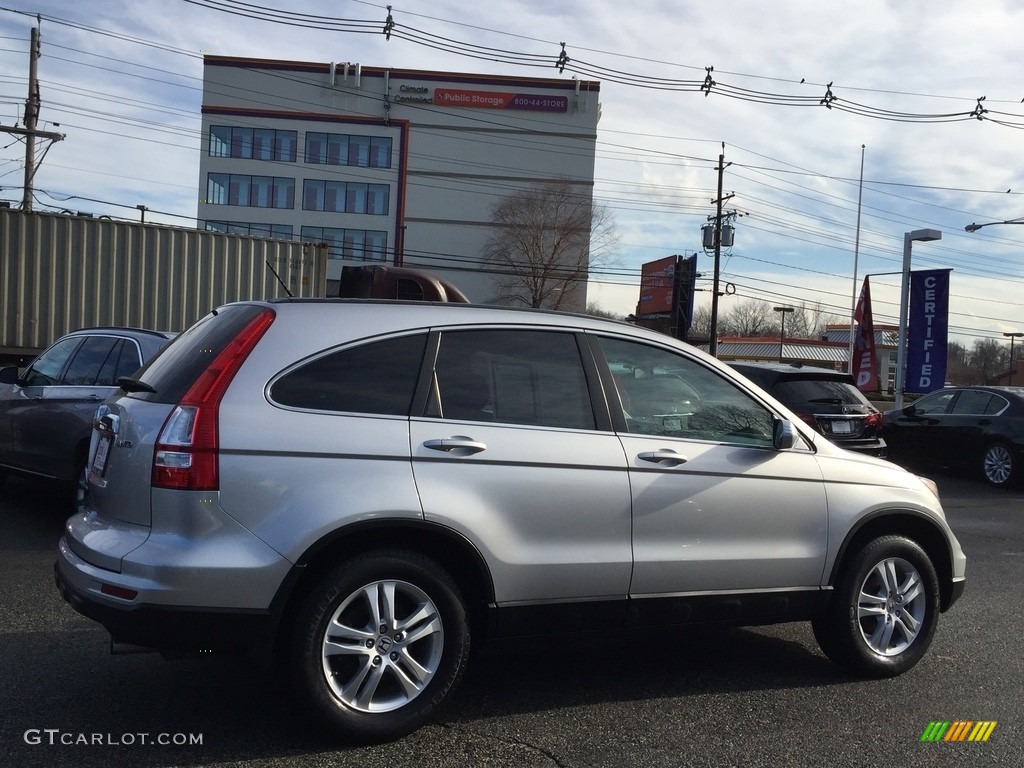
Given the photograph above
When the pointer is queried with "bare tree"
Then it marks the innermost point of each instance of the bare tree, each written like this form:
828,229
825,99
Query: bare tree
808,322
700,326
547,240
748,318
988,359
594,309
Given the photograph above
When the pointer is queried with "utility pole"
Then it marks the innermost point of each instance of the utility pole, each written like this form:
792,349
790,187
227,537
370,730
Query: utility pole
30,131
713,341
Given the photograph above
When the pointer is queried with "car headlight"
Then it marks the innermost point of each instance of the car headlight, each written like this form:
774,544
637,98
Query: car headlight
930,485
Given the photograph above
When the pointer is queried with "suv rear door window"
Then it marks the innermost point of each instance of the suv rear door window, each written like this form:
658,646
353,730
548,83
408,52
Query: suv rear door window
92,357
513,377
379,377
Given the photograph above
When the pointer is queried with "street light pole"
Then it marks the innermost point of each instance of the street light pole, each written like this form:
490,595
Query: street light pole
782,331
1011,335
922,235
975,227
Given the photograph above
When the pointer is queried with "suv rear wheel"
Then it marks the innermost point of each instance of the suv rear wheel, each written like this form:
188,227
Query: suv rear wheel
382,641
884,610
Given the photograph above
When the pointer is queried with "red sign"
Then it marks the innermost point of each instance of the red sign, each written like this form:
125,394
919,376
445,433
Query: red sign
657,286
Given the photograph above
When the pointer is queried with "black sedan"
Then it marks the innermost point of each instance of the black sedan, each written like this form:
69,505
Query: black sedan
980,429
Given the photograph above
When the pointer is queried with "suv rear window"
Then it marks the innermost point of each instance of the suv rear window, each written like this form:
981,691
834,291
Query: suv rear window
173,371
817,391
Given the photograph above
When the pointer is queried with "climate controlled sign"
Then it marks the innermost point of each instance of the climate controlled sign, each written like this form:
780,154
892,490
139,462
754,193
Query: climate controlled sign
457,97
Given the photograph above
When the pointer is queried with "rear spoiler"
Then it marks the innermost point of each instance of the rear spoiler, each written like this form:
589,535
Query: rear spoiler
380,282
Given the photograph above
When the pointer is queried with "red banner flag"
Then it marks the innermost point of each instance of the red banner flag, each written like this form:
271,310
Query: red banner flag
863,365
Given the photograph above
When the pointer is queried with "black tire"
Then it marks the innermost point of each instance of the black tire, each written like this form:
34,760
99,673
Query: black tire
886,634
998,465
399,624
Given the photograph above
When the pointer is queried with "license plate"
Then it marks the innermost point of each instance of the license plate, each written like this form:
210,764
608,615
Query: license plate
99,459
841,428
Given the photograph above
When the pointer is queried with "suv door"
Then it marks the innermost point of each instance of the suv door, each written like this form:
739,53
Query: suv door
717,510
510,450
25,428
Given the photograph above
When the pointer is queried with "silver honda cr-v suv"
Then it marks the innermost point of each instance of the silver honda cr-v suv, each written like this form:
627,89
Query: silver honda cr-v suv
355,489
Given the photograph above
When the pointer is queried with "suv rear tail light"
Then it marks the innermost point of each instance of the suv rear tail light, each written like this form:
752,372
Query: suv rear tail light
185,456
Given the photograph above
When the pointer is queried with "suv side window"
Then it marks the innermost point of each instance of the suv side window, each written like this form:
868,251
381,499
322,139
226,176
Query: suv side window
127,363
91,358
46,369
512,376
663,393
379,377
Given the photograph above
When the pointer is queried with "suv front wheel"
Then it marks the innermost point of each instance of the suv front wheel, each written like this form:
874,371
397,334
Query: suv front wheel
382,641
884,609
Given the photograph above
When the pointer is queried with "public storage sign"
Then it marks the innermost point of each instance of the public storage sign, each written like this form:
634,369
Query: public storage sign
458,97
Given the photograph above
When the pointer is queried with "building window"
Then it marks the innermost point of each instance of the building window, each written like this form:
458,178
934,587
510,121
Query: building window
345,197
350,244
253,229
250,191
342,149
253,143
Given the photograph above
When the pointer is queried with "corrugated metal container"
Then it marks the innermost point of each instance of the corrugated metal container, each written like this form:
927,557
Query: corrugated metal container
61,272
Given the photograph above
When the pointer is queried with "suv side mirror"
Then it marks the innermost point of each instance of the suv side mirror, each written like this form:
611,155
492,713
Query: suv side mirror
9,374
784,435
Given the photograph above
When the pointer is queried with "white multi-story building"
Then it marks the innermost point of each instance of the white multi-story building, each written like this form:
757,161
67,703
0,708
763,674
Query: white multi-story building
386,166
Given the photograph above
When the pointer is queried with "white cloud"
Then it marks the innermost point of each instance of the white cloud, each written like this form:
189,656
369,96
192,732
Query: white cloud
132,121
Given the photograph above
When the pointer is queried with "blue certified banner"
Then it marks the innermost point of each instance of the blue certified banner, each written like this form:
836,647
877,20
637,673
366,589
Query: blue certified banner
927,334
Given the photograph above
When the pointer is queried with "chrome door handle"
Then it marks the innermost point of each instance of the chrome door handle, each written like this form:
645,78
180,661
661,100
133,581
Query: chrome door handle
457,445
664,457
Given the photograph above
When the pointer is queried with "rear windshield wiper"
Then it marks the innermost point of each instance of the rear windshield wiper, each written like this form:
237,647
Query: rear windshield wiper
835,400
134,385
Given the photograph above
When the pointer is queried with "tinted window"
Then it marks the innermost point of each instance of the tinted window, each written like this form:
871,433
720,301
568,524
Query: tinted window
996,405
173,371
936,402
47,367
379,377
128,361
95,354
513,377
818,391
972,402
663,393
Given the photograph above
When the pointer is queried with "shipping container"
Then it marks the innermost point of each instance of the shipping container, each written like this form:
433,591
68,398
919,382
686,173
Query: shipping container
59,272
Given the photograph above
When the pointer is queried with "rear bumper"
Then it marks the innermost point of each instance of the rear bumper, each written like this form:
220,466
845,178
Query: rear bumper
173,629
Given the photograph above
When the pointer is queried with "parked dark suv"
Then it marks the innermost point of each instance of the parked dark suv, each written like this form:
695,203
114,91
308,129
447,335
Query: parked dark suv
360,490
827,400
46,410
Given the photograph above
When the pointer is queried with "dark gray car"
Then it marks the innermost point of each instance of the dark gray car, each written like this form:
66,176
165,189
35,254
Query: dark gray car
46,410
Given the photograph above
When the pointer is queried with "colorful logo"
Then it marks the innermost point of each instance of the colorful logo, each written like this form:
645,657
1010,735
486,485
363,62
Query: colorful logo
958,730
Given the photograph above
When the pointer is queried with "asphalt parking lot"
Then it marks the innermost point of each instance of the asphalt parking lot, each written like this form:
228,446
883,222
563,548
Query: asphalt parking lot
760,696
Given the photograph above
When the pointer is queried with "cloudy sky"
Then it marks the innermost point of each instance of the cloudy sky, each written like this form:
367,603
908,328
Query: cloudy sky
798,88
